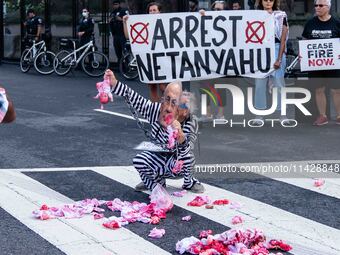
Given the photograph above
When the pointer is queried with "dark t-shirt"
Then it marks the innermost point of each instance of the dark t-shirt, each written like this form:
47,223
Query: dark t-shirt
86,25
116,26
32,25
317,29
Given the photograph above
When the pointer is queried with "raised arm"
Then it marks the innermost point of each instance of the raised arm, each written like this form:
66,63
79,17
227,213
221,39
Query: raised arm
145,107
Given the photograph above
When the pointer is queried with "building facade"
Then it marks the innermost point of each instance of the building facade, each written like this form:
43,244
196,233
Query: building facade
61,18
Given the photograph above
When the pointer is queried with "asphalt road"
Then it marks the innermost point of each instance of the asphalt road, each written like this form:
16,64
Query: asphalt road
57,127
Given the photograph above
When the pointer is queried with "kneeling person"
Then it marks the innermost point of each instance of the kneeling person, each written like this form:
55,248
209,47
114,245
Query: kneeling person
155,167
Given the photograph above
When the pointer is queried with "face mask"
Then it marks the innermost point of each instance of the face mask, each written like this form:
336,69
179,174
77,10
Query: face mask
85,14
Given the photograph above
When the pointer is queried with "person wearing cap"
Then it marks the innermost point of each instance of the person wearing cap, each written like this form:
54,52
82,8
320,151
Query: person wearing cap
86,27
117,29
33,25
7,112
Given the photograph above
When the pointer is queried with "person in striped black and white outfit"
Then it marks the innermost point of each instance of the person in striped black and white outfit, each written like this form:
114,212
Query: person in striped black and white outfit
156,167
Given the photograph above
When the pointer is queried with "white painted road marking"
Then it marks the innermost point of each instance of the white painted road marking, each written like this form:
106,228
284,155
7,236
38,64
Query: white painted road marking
120,115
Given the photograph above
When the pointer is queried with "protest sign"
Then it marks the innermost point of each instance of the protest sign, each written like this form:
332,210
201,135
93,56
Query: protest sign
189,46
320,54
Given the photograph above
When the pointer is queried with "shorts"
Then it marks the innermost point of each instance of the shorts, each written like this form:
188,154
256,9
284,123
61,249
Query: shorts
329,79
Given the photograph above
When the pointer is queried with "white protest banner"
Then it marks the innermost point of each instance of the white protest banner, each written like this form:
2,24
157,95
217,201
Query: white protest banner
189,46
321,54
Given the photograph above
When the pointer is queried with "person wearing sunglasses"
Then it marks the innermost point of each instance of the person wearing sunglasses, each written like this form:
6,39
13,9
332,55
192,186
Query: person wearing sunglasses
324,26
276,77
155,167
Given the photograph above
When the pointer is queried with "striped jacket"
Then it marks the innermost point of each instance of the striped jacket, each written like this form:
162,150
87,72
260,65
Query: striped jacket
151,110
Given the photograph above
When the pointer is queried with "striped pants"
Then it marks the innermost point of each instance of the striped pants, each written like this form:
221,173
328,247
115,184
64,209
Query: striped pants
155,167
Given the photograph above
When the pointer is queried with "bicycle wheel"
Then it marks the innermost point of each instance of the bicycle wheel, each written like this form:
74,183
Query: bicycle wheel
62,63
95,63
129,71
26,61
43,62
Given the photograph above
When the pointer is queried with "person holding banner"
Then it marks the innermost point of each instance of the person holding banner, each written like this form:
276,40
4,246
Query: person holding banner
281,37
7,112
154,167
152,8
324,26
216,6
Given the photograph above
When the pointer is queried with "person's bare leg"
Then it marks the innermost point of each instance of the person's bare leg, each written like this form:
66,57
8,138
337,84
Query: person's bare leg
321,101
336,100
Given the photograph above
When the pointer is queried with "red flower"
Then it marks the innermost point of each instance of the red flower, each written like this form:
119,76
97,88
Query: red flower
111,224
155,220
221,202
44,207
205,233
275,244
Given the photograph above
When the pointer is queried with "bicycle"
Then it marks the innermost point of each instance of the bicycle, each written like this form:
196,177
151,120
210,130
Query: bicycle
39,56
128,63
94,63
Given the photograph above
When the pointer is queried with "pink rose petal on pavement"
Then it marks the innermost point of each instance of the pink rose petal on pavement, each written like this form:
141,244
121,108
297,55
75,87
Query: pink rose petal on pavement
157,233
237,220
199,201
179,193
112,224
221,202
205,233
155,220
98,216
319,183
235,205
186,218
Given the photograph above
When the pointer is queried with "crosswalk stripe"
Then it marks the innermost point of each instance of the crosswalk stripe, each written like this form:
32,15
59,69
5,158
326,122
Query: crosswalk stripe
331,187
270,219
85,184
120,115
304,234
20,195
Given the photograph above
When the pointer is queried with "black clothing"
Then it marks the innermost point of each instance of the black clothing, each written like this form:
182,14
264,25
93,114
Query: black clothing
86,25
317,29
116,26
117,30
32,25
